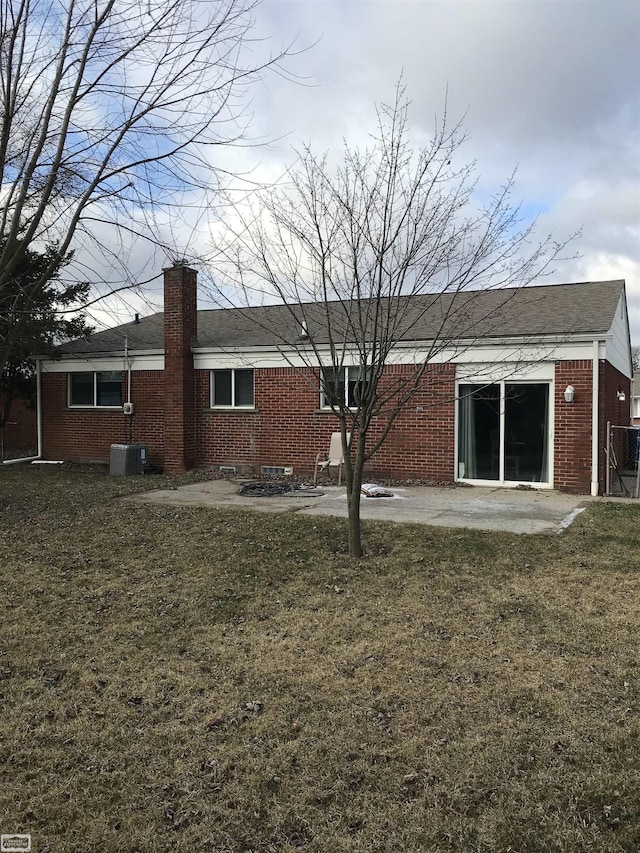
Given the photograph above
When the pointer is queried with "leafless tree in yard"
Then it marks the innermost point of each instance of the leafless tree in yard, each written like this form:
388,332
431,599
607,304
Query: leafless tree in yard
368,255
110,112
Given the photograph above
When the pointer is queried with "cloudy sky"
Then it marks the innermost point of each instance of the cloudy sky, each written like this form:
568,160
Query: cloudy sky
550,87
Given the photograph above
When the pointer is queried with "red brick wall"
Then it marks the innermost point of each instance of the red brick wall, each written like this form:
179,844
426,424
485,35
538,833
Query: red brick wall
283,429
180,330
422,440
572,439
614,410
82,435
288,428
573,421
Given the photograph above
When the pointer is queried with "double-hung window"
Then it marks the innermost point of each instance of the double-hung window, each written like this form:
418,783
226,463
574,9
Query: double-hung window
342,386
232,388
96,389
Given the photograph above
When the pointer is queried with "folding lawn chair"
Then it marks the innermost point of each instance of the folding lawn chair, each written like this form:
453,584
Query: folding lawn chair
333,459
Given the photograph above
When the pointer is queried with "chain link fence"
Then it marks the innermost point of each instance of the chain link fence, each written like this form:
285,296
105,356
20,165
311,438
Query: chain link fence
622,450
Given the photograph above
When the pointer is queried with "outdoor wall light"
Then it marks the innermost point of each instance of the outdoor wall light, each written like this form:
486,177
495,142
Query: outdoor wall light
569,394
621,395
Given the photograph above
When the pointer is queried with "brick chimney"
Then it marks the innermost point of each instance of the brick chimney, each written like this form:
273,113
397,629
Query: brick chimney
180,330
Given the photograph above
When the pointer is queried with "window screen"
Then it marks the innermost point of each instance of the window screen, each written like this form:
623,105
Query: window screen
81,389
109,388
244,387
232,387
221,388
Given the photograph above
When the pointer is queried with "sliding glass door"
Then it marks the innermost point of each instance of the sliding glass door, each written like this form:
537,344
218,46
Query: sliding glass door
479,432
503,432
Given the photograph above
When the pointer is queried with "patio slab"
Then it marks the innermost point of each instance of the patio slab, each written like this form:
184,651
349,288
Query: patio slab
483,508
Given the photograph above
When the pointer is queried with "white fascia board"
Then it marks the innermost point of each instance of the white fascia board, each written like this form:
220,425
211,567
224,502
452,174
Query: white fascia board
258,357
512,353
541,371
498,351
150,360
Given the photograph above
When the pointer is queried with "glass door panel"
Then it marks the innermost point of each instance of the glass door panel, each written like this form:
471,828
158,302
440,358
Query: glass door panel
526,433
479,432
503,432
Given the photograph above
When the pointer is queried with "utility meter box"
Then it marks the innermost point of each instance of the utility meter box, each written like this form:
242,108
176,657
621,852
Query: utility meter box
127,459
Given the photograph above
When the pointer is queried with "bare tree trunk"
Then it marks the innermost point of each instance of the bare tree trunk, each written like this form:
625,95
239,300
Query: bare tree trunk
354,468
355,525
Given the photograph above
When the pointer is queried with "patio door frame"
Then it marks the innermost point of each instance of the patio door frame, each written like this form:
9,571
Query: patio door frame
503,382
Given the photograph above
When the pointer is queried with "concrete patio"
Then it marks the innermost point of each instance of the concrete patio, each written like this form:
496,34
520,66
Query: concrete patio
484,508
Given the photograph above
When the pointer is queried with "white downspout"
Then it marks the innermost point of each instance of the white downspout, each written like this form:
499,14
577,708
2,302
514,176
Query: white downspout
127,361
38,420
595,442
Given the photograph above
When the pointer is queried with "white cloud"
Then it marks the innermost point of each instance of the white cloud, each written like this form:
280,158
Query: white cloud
553,87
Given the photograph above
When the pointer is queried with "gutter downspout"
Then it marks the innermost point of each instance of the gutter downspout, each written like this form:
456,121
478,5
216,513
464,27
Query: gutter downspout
127,361
38,420
595,438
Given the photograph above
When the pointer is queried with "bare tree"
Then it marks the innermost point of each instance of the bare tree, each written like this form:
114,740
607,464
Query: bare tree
110,111
635,358
369,255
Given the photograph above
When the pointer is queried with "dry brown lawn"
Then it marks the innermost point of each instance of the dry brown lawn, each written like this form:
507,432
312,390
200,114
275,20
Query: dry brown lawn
193,679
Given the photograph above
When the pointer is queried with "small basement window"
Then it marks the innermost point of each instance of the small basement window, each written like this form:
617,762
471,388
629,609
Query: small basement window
232,388
101,389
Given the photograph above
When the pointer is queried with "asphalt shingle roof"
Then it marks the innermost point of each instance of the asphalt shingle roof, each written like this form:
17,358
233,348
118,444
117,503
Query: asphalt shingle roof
560,309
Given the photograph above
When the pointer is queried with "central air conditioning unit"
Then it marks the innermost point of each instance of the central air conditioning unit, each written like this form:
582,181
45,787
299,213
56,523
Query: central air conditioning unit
127,459
277,470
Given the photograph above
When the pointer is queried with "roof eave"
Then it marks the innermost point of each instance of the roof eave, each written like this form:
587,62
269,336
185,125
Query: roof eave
70,356
492,341
574,337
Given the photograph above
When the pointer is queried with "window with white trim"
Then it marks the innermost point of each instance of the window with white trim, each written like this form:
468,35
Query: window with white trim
232,389
96,389
342,386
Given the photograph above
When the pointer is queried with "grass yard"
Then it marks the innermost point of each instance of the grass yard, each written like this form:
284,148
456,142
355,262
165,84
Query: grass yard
186,679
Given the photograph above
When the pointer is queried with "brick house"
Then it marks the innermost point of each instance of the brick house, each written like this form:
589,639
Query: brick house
521,395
